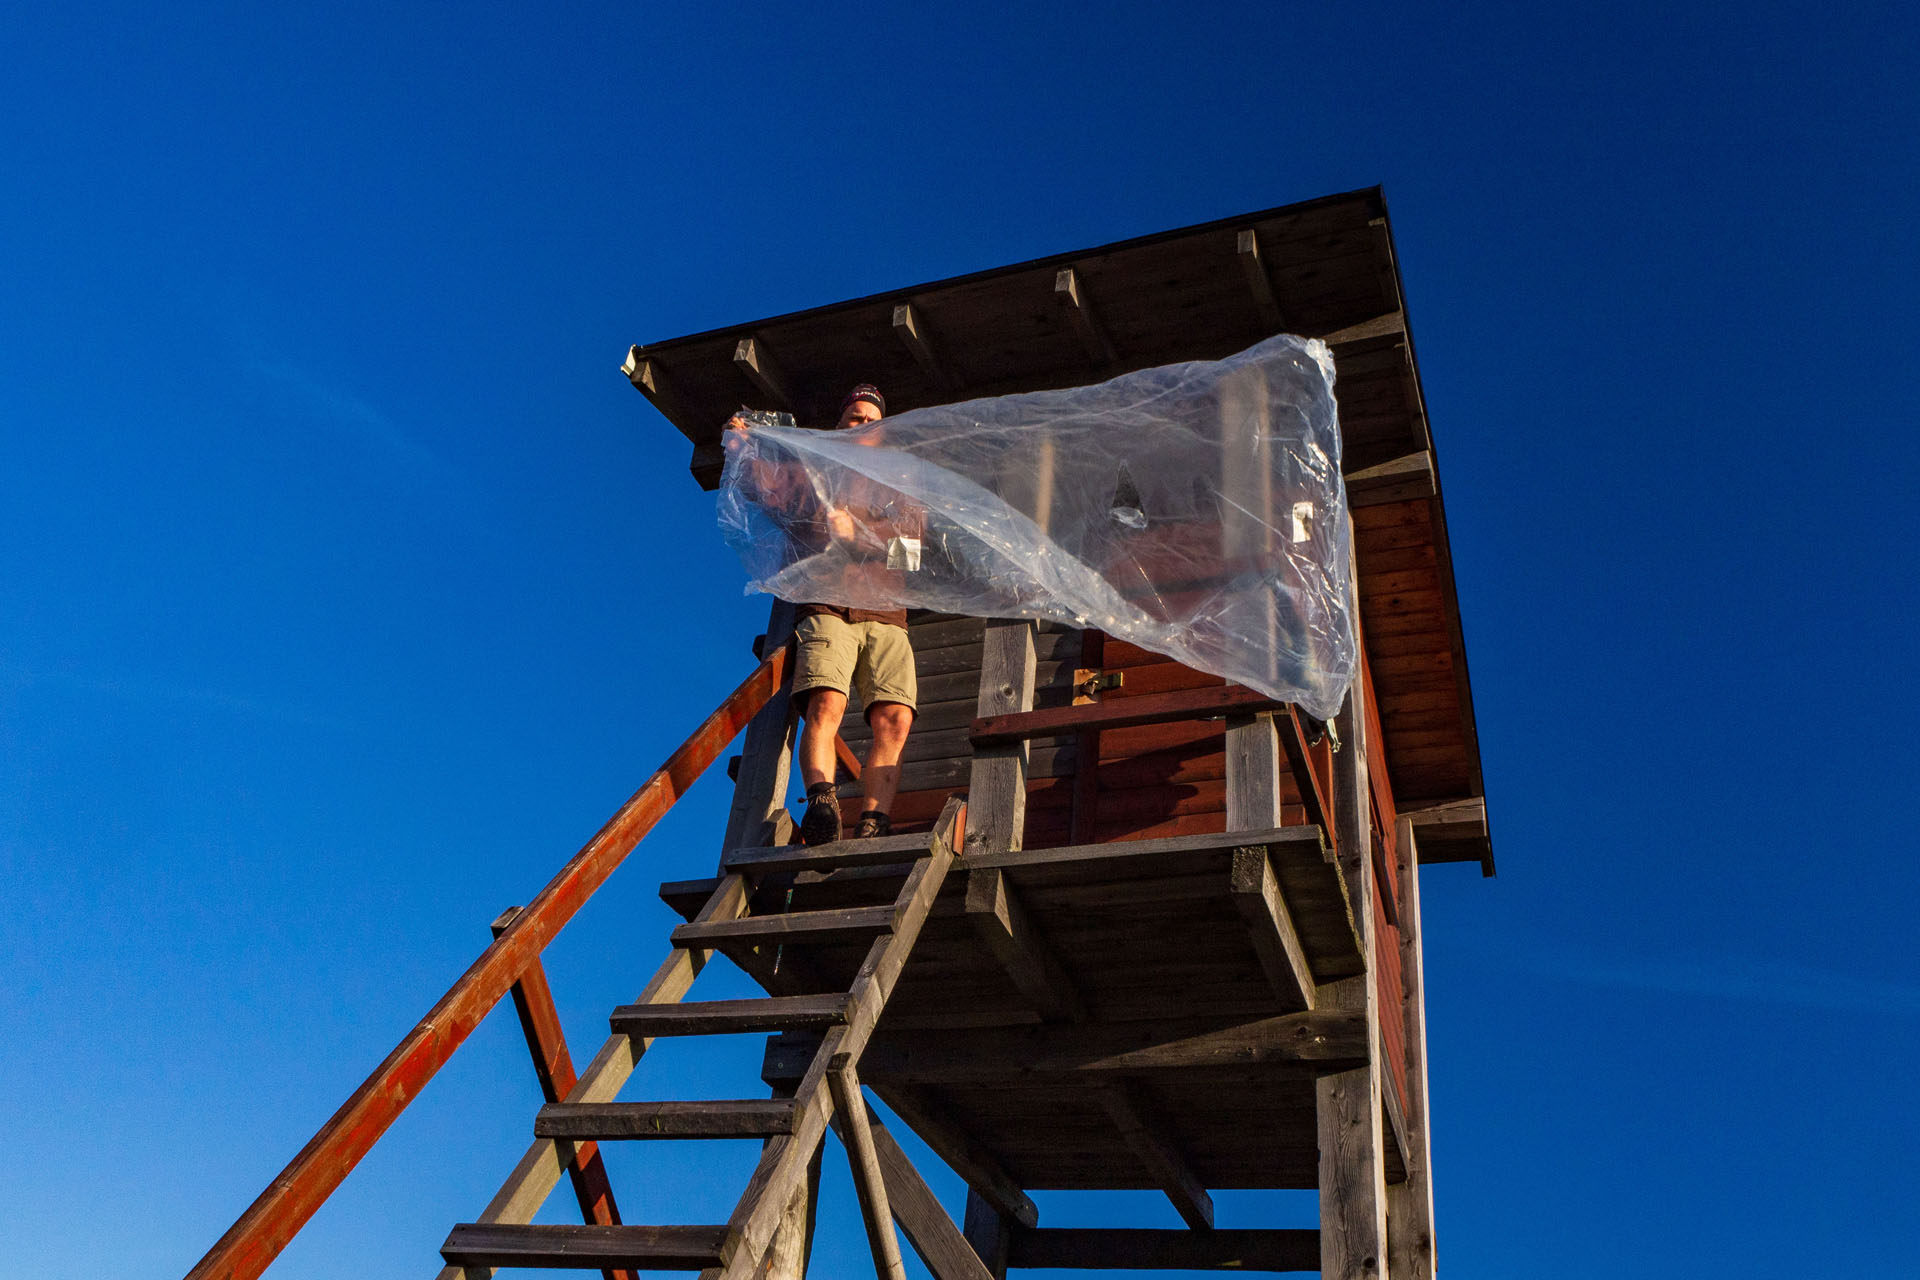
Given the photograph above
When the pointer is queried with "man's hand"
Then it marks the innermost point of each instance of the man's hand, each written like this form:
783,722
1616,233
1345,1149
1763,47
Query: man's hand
841,525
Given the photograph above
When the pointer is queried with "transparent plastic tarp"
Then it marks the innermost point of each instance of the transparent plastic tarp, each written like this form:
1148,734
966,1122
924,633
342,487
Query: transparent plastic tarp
1196,510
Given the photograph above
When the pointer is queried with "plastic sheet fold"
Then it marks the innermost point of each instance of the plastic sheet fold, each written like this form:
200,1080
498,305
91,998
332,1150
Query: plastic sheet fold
1194,509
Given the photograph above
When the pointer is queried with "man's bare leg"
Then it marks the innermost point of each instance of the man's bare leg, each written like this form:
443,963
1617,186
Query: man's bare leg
820,725
880,776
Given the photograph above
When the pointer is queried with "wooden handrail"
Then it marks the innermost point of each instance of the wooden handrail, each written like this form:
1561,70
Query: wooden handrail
304,1185
1122,713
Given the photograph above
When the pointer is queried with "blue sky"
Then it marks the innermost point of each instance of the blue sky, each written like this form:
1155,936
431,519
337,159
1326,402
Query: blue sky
345,586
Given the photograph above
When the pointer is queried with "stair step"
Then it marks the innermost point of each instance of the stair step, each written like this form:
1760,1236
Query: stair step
726,1017
852,924
744,1118
485,1244
828,857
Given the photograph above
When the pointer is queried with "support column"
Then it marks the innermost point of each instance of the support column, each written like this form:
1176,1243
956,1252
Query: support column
1353,1194
792,1243
989,1232
1410,1249
759,813
997,790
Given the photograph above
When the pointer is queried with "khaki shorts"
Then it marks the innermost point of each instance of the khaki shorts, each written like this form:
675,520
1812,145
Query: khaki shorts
871,659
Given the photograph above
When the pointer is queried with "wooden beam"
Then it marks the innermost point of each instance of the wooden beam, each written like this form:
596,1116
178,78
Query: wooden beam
1093,335
848,761
1396,481
553,1067
1391,324
929,1229
1410,1248
994,911
1319,804
990,1234
869,1183
1454,831
997,729
1150,1249
898,850
964,1154
997,789
1257,897
1320,1041
1258,284
758,816
1353,1204
1132,1114
752,358
544,1164
912,335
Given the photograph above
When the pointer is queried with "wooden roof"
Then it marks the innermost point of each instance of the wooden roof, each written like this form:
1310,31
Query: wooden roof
1323,268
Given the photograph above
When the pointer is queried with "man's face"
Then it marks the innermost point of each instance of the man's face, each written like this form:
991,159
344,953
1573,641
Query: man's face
859,414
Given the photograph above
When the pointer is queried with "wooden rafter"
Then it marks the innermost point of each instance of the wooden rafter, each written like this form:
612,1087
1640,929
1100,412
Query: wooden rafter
1068,291
1132,1114
912,333
1257,897
1248,247
994,911
751,357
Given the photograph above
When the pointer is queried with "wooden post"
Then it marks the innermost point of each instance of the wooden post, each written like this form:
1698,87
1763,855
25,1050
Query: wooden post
1353,1202
792,1246
759,815
997,791
1410,1249
553,1065
869,1182
989,1232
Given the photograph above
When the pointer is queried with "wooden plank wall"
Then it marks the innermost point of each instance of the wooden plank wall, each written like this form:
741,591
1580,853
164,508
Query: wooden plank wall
1155,780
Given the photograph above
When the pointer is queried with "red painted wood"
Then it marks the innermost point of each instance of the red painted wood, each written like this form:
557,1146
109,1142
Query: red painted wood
1186,704
304,1185
553,1066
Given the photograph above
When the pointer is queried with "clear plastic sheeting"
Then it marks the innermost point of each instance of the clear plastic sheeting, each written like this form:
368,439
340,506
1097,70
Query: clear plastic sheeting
1196,510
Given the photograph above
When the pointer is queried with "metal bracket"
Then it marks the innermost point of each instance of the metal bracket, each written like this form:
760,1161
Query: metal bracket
1090,682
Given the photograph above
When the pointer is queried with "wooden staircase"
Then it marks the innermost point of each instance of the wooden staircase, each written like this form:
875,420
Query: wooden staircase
793,1127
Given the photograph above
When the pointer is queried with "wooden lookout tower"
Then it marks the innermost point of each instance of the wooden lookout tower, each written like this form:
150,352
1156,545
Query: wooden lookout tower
1136,928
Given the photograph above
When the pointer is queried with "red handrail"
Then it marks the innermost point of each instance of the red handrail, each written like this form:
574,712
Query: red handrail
259,1235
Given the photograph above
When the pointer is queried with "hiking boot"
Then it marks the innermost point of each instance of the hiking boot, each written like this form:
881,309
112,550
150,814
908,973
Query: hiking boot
873,824
821,824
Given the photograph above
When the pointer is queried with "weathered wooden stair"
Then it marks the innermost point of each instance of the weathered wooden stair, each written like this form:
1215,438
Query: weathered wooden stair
793,1127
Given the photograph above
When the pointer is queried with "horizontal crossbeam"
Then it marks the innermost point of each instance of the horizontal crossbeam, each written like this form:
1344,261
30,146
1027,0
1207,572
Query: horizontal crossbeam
1147,1249
1122,713
1320,1041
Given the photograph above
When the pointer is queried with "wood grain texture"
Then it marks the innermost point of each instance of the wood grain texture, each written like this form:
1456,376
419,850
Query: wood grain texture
1132,1113
869,1183
1410,1221
1258,899
928,1228
1353,1222
997,792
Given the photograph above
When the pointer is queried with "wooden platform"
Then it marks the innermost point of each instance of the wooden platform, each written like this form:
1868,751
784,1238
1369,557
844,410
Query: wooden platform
1052,987
1324,268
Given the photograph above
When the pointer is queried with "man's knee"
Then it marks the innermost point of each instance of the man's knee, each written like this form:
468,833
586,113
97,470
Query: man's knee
824,707
890,720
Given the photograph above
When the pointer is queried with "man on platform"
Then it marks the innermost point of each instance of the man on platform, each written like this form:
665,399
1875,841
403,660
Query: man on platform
840,650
